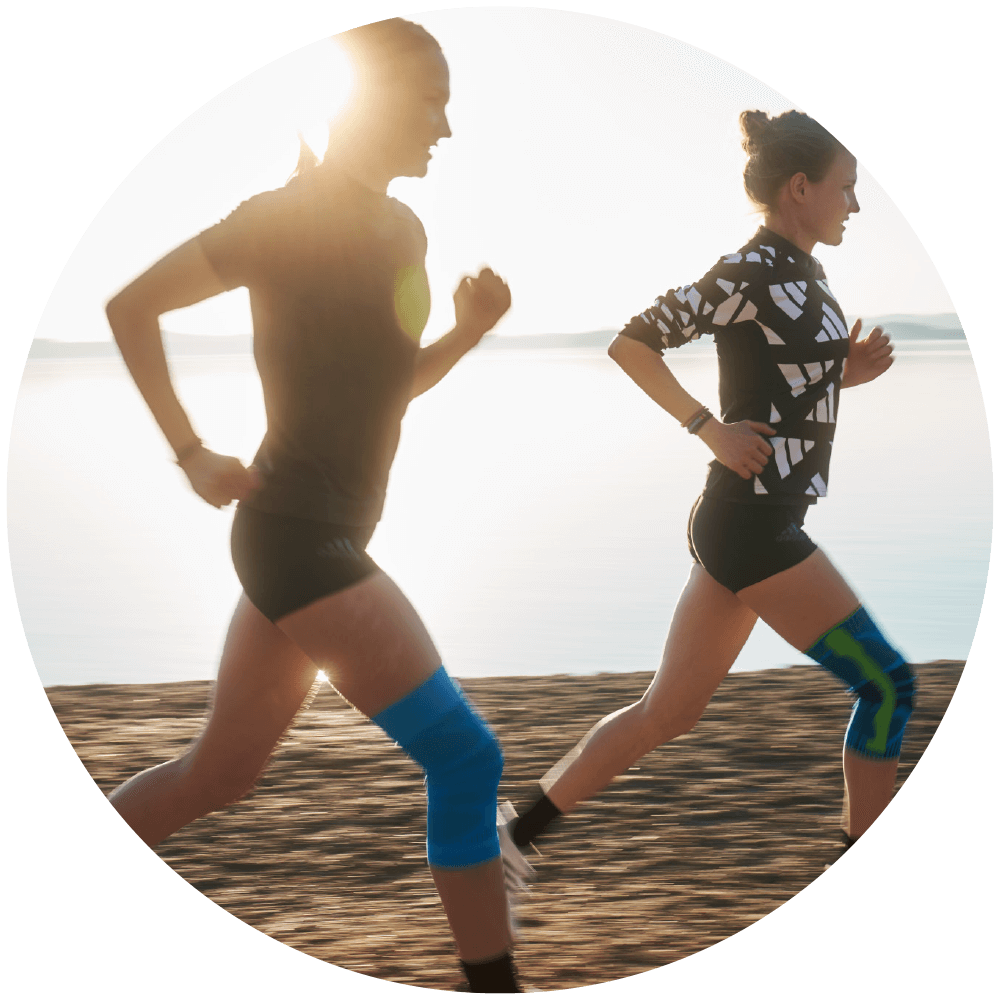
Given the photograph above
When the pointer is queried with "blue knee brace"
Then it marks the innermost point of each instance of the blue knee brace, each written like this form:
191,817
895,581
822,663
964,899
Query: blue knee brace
858,654
462,762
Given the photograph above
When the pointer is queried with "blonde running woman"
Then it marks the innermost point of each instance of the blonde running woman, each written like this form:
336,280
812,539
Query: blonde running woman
784,354
335,271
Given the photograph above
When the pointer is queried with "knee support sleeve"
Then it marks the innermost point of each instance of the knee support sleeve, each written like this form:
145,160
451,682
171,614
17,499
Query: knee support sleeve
857,653
462,761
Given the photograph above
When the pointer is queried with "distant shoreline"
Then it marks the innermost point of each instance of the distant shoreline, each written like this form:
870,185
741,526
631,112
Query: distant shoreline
902,327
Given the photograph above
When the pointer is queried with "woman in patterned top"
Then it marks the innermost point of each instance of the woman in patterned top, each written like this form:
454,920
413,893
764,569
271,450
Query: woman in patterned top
338,292
784,355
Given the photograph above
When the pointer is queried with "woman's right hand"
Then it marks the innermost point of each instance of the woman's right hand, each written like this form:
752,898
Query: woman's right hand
739,446
219,479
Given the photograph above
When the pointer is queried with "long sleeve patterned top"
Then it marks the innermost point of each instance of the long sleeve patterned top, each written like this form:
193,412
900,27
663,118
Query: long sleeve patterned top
781,340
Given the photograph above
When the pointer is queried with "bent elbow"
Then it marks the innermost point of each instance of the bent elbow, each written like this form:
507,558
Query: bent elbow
117,309
615,350
124,313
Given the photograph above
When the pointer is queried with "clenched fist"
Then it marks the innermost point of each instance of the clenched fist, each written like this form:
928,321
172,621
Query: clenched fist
479,304
867,358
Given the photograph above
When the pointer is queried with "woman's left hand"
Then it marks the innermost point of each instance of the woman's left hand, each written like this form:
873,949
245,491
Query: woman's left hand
479,304
868,358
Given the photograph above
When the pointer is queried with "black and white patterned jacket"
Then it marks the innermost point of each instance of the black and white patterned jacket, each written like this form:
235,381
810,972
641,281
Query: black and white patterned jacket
781,340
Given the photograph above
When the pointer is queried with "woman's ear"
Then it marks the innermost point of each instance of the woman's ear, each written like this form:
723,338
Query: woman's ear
797,187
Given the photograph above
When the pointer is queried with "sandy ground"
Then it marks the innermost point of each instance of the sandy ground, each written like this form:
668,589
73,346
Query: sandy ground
702,838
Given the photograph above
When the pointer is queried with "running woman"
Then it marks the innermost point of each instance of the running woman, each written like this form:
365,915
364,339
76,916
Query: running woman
784,354
339,298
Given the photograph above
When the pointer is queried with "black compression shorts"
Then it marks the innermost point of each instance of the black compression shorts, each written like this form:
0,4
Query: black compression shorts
285,563
744,543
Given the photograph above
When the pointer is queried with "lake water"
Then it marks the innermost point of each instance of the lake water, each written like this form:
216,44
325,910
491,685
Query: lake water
536,513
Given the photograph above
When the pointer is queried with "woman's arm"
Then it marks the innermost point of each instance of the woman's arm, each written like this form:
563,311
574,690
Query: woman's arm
650,373
479,304
738,446
182,278
435,360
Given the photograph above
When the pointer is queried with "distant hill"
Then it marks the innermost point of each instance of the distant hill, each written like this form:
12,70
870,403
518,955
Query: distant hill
943,326
177,345
41,348
530,341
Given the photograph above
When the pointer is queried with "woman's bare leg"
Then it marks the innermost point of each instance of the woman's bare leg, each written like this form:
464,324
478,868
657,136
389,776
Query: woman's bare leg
475,902
375,649
869,786
801,604
710,626
263,680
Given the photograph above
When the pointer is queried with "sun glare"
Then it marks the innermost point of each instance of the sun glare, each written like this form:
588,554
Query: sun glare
318,87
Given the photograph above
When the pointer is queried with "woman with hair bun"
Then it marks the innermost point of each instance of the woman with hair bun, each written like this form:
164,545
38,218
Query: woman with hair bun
784,354
339,297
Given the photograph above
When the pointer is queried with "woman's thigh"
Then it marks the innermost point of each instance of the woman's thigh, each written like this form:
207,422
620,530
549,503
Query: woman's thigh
264,678
803,602
709,627
369,640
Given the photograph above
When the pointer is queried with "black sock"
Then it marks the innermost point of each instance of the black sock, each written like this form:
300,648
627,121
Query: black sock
849,842
495,976
527,827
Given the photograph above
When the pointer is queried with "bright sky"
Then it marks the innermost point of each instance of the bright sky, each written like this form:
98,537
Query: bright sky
594,164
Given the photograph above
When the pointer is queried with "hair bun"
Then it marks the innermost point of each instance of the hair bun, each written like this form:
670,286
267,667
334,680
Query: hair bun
753,124
779,147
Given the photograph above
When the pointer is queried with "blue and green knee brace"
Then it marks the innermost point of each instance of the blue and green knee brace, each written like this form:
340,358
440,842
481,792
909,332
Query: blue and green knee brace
856,652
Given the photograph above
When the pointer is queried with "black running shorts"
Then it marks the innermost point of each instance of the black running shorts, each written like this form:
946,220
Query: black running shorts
285,563
744,543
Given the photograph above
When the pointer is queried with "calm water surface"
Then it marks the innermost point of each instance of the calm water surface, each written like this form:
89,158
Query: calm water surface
536,514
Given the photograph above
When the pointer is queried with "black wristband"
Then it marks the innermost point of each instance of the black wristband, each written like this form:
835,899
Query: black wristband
699,421
694,416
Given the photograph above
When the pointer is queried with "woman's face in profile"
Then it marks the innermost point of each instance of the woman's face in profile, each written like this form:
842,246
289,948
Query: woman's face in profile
407,112
833,200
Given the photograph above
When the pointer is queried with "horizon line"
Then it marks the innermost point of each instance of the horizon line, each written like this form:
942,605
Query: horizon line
899,316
